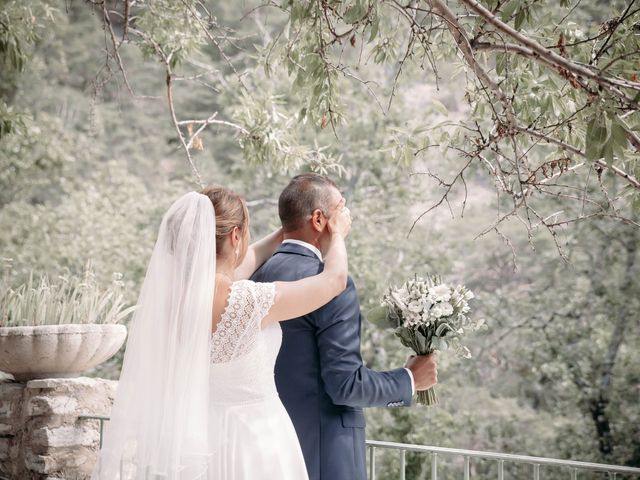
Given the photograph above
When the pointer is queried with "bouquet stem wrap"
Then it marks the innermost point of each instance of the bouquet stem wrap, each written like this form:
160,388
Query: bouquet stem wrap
428,397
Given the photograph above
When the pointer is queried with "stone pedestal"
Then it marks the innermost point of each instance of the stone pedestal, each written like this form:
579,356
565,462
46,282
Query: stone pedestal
42,432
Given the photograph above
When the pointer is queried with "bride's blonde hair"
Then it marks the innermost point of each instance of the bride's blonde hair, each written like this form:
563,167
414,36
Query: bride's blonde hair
231,211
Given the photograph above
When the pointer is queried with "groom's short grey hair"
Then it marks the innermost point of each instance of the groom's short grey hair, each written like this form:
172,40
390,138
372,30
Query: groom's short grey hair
304,194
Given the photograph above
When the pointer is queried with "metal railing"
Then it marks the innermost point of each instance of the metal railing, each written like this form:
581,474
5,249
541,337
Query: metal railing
573,468
100,418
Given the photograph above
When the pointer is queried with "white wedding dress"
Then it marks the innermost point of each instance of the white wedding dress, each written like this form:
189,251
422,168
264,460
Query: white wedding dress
250,433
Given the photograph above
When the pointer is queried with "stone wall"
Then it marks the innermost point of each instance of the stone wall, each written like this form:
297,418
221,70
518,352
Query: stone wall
42,434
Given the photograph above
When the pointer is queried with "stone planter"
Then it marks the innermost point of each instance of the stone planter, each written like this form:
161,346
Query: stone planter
49,351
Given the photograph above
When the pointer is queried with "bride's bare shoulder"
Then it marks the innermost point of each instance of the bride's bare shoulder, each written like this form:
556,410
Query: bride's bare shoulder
221,296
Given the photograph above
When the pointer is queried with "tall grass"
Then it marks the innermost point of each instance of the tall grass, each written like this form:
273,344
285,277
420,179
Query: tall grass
68,299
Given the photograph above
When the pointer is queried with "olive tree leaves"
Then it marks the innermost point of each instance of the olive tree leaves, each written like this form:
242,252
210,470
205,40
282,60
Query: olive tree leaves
606,138
21,26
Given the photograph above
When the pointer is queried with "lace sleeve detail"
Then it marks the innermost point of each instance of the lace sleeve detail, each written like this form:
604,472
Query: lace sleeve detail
239,325
265,295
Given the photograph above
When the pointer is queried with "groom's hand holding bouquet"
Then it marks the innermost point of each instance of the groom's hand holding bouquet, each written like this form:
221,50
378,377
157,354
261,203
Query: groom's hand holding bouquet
424,369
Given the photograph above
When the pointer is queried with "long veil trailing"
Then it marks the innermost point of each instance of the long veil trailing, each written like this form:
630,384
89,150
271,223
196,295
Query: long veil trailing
159,420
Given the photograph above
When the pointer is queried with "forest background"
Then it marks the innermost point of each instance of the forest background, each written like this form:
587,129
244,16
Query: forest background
91,156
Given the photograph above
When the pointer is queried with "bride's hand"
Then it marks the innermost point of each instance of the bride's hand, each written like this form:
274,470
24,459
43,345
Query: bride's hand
340,220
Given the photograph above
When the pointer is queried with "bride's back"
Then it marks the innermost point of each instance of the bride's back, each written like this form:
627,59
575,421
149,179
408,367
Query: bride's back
242,354
220,300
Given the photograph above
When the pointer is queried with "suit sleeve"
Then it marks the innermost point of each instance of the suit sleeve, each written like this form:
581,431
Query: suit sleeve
347,381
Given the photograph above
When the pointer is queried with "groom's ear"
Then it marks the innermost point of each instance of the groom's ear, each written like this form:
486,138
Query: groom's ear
318,220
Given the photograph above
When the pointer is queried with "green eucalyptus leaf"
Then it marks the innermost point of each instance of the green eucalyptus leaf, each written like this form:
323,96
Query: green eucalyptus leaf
501,62
520,18
441,330
354,13
508,10
618,137
607,151
421,343
439,344
596,138
440,107
405,336
379,316
375,27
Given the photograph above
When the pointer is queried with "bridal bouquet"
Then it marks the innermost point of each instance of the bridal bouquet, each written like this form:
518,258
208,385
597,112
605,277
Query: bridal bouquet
427,314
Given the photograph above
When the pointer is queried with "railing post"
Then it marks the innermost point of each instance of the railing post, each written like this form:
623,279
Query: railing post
372,463
500,469
466,467
403,464
101,430
536,471
434,467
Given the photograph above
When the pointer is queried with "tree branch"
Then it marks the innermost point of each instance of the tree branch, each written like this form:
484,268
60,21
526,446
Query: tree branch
550,56
464,45
601,163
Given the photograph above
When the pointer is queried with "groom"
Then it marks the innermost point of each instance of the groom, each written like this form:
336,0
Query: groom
319,372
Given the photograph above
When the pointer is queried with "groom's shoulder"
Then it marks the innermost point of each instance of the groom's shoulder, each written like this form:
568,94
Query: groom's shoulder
348,298
350,291
343,307
302,265
288,267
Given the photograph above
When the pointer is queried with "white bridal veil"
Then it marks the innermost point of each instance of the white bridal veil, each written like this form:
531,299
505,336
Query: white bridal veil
159,421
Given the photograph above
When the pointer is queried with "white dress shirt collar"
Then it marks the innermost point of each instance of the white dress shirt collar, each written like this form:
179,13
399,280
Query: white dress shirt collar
313,248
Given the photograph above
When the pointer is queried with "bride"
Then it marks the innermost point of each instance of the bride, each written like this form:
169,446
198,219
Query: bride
196,398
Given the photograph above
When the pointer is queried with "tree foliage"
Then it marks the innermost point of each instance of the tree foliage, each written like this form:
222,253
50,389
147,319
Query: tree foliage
20,29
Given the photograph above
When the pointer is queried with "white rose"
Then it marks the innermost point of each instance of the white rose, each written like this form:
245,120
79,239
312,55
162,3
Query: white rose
440,293
415,306
442,310
447,309
411,319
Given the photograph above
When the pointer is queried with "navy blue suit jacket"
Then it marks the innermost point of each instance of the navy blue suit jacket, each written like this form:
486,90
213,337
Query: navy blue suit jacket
320,375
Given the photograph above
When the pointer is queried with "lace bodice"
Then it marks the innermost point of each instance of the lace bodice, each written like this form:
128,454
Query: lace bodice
239,326
243,354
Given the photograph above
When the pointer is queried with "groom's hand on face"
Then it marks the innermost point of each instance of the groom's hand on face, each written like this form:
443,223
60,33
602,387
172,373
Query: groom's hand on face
424,369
